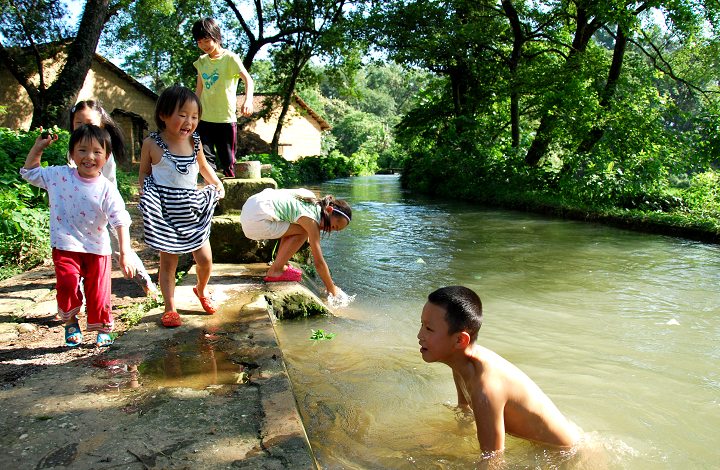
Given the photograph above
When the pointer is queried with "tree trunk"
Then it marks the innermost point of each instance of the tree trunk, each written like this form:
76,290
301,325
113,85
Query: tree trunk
597,132
584,30
513,63
286,100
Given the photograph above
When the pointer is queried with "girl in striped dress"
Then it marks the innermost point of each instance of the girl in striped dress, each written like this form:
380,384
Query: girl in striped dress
176,214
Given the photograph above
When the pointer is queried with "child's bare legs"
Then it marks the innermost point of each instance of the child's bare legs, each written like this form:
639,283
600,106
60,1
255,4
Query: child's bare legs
203,268
166,278
289,245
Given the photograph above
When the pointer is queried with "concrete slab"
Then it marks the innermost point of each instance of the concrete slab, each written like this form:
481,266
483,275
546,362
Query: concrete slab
213,393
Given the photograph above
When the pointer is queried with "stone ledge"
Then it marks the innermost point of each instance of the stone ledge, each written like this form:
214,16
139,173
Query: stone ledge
229,244
238,190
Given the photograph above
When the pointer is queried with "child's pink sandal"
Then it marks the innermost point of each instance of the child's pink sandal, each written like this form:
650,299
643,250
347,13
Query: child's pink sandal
287,276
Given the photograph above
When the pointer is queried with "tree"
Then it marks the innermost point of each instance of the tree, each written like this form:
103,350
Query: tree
32,34
154,39
317,27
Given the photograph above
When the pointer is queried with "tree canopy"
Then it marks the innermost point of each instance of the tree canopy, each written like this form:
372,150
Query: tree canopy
611,101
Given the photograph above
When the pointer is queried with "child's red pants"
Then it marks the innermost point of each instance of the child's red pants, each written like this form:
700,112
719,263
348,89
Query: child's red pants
95,270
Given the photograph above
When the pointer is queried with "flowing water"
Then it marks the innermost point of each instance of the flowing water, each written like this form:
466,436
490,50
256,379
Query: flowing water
619,328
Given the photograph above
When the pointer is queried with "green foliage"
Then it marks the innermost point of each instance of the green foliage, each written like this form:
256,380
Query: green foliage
24,234
321,335
703,195
316,169
24,215
132,315
127,184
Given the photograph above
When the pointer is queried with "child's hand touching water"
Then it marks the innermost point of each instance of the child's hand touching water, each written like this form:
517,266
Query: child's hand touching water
340,299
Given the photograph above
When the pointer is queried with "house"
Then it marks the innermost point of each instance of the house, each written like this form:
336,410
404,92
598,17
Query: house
301,134
132,106
130,103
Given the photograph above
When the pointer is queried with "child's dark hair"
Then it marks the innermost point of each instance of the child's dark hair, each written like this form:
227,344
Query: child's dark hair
172,98
91,132
463,309
108,123
207,28
339,206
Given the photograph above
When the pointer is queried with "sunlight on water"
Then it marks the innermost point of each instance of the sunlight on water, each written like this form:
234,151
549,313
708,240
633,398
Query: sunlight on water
619,328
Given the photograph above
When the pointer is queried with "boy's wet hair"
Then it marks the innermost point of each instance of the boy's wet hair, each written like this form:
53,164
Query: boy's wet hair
207,28
463,309
108,123
91,132
338,205
173,98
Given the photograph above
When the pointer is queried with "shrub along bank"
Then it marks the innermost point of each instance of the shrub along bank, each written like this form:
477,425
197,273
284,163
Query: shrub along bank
648,199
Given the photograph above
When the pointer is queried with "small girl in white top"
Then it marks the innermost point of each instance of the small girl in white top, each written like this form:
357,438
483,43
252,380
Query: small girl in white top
91,112
82,203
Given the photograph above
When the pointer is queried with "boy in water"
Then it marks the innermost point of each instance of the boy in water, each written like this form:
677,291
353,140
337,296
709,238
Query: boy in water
501,397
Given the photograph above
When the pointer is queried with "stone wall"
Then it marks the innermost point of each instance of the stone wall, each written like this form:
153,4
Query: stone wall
229,244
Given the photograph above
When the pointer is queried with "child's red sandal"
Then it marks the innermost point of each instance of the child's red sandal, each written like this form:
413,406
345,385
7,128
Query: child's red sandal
170,320
207,303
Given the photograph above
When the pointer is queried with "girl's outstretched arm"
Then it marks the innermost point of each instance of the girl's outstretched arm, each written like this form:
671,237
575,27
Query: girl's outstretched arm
35,153
313,230
207,172
126,265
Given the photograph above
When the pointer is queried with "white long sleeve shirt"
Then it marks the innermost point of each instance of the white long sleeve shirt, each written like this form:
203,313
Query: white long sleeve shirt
80,208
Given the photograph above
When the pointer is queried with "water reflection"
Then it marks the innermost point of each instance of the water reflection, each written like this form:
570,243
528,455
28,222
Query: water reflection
619,328
193,360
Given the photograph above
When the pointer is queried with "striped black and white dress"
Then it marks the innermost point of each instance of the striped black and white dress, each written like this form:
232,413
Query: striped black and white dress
176,214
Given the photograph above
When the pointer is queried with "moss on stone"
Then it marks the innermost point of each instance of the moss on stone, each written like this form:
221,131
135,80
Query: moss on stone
229,244
286,305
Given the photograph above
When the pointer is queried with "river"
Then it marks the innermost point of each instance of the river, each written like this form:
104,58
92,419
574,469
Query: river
619,328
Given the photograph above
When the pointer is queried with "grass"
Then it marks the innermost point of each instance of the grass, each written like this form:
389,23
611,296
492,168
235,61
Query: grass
132,315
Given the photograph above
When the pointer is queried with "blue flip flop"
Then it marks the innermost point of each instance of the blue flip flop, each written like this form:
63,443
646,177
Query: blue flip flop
73,332
103,340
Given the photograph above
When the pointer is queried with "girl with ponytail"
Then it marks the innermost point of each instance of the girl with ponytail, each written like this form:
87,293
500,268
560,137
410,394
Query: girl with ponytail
294,216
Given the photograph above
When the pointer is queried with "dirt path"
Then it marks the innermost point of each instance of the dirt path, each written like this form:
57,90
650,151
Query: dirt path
31,337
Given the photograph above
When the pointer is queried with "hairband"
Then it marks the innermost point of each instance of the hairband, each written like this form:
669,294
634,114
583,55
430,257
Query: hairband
335,209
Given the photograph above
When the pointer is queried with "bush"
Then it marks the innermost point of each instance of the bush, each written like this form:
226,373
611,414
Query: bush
24,232
703,195
317,168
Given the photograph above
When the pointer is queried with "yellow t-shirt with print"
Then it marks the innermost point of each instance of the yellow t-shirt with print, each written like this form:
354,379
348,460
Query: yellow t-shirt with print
219,81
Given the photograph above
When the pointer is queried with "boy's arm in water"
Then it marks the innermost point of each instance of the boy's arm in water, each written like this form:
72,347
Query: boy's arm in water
488,404
462,401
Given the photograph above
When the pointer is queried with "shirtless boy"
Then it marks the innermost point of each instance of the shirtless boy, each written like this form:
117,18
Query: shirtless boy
502,398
